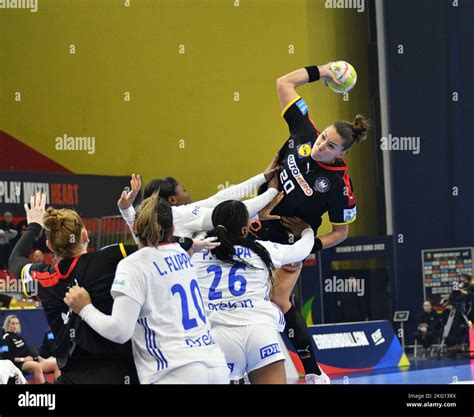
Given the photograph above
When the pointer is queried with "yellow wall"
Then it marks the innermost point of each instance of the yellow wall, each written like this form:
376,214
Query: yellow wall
177,96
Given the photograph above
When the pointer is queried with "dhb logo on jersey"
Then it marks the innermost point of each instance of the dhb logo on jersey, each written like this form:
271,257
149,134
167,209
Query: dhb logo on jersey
196,210
303,150
301,104
322,185
350,214
269,350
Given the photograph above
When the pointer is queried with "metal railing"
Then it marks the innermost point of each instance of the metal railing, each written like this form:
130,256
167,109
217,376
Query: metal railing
106,231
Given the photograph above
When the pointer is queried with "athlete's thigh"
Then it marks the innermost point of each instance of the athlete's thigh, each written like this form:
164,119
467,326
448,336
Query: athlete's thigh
192,373
283,282
262,346
229,339
219,375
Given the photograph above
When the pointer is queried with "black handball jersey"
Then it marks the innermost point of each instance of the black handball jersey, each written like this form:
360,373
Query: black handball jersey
95,272
311,187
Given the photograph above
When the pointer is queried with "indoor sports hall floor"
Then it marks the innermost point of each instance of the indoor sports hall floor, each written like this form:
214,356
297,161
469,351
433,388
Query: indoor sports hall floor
428,371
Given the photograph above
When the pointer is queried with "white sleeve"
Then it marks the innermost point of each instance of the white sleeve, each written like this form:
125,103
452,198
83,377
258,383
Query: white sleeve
129,216
203,215
9,370
254,205
119,326
236,192
191,218
12,234
287,254
129,281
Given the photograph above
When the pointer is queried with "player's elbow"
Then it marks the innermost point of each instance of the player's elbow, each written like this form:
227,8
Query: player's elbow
122,338
282,83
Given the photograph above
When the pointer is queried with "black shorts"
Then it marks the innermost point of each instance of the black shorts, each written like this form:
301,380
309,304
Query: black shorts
116,370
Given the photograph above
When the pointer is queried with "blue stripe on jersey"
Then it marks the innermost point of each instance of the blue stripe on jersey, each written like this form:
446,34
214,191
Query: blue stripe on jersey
302,106
282,317
159,361
158,351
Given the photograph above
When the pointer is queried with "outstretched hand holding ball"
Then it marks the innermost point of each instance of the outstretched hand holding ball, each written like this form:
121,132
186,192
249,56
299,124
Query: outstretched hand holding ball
339,76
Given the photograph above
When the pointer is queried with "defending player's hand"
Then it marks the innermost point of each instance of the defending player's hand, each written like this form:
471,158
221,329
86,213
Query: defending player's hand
273,168
294,225
77,298
205,244
265,213
129,195
35,213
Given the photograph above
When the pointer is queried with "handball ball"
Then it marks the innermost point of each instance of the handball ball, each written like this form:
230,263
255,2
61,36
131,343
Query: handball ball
346,74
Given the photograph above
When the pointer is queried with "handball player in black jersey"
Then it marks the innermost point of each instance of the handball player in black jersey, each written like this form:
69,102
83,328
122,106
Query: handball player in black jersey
314,179
83,356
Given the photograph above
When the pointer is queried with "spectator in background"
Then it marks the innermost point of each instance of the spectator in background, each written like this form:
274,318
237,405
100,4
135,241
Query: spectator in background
37,257
429,326
7,234
20,228
23,356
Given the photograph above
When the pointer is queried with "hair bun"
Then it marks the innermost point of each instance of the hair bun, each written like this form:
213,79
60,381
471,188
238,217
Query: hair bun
53,219
360,127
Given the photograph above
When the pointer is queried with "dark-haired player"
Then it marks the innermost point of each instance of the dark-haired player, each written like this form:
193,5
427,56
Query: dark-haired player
314,177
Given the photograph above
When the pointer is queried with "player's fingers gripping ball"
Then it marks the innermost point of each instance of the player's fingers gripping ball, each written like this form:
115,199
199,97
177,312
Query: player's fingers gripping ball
345,74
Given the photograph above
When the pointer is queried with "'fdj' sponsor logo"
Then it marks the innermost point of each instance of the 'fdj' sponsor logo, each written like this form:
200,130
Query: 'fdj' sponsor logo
295,171
269,350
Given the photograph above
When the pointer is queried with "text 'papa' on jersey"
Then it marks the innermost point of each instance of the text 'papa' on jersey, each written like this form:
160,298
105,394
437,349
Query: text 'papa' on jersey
311,187
237,294
172,329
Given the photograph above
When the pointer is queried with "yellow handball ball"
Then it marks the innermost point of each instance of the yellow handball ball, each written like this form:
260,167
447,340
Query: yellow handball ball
346,75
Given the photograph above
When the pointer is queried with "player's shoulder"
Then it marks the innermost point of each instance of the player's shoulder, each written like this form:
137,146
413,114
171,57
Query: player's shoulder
299,104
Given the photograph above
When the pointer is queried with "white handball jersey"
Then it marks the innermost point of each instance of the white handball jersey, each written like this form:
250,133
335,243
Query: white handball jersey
172,328
238,295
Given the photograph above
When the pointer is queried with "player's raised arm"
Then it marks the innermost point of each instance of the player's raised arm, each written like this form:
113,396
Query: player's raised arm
287,83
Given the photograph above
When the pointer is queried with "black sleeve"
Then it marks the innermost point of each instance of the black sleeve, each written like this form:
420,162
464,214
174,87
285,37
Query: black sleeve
342,207
185,242
301,126
21,251
8,348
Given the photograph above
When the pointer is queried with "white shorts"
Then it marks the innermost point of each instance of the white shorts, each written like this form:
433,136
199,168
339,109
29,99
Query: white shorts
247,348
195,373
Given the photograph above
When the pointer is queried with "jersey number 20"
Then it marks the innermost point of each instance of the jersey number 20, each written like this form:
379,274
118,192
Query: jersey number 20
189,323
286,183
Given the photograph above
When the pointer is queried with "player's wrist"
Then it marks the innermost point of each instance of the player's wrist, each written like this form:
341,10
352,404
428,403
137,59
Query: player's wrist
318,245
313,73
